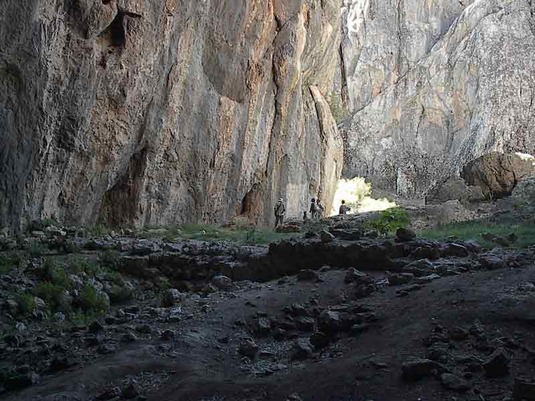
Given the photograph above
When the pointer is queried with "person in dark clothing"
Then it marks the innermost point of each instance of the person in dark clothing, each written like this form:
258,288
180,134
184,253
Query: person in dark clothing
280,212
344,208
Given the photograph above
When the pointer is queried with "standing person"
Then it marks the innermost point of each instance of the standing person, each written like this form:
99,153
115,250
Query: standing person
321,208
313,209
344,208
280,211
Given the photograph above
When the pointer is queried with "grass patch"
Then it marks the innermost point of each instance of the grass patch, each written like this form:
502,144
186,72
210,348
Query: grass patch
473,230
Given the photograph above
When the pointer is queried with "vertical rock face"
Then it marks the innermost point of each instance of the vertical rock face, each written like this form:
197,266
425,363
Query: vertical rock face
162,111
432,85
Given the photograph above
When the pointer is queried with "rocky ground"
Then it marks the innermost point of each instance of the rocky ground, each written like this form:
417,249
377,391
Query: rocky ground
335,314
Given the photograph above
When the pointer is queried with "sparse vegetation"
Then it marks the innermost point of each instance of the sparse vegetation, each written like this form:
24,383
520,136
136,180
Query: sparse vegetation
475,230
10,261
241,234
389,221
93,301
25,302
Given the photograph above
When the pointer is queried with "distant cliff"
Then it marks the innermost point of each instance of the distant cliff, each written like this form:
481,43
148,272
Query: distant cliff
432,85
163,111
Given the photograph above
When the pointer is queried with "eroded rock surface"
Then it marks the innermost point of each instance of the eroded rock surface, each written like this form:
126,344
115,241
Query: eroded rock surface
161,111
432,87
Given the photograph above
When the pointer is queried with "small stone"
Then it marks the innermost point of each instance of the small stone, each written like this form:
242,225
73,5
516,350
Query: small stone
59,363
326,236
356,276
171,297
524,390
492,262
455,250
95,327
458,334
329,322
106,349
222,283
129,337
144,329
427,279
417,369
307,275
400,279
497,364
248,348
130,391
319,340
302,349
405,234
454,382
167,335
109,393
438,351
263,326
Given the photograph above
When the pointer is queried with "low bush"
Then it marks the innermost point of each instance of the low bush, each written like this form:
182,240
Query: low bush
389,221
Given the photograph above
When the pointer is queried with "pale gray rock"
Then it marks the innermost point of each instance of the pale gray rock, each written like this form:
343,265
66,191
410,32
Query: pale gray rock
442,85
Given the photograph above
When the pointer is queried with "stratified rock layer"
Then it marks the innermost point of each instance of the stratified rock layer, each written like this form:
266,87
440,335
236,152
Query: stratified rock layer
162,111
432,86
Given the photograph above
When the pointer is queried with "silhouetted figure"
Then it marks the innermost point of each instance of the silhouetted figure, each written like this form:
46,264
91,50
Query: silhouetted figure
280,212
344,208
314,209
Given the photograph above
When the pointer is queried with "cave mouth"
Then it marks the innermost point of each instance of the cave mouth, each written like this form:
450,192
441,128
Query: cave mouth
252,202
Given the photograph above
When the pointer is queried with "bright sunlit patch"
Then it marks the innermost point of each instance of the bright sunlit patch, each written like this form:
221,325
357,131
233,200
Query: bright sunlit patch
356,192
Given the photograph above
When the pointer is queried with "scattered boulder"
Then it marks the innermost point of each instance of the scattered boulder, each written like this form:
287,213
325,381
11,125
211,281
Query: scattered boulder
454,188
326,236
302,349
171,297
405,234
417,369
307,275
358,277
524,390
222,283
319,340
492,262
454,382
248,348
400,278
497,174
420,268
130,391
497,364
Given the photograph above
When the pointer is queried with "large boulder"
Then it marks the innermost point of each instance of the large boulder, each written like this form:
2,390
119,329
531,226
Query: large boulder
497,174
524,192
454,188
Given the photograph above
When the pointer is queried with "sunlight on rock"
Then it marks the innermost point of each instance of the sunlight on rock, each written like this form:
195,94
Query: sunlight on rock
357,194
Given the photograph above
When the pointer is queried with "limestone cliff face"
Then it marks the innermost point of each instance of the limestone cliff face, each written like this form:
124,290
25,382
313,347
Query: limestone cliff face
162,111
432,85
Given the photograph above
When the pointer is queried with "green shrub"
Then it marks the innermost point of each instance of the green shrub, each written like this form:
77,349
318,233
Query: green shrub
25,302
93,301
389,221
37,249
50,293
10,261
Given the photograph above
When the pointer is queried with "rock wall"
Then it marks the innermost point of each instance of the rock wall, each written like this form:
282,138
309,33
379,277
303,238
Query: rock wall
162,111
432,85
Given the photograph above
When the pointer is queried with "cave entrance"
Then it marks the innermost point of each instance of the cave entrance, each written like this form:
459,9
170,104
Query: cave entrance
357,193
